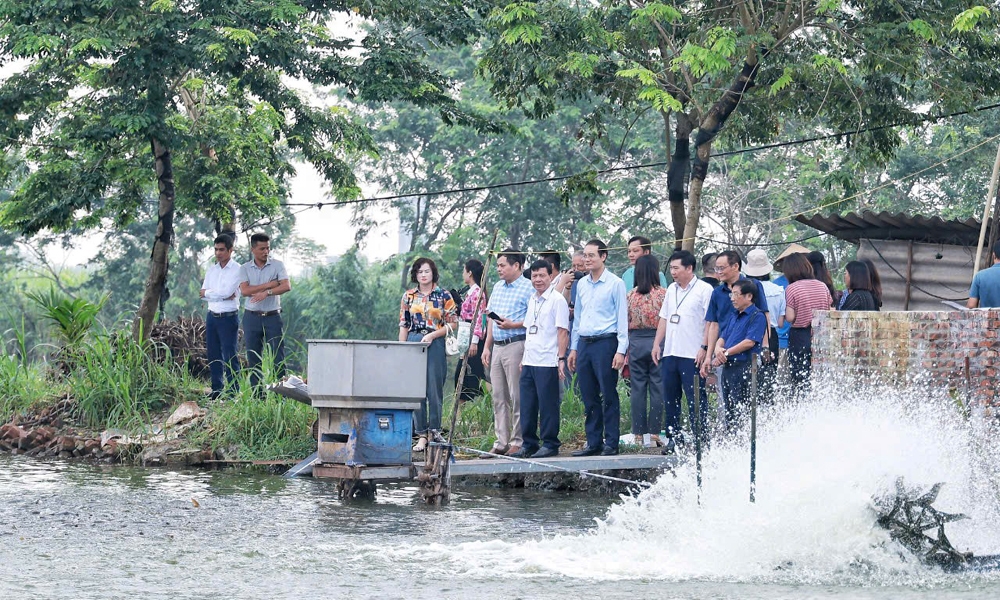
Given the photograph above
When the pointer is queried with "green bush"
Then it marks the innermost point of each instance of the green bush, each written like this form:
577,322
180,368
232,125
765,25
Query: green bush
22,386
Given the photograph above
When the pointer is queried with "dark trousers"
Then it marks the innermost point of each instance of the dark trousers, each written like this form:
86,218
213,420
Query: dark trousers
539,407
644,381
475,374
257,331
599,390
736,383
799,356
678,375
767,374
429,414
221,334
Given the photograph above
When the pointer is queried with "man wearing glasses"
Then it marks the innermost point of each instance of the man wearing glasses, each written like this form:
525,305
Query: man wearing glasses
597,349
720,308
740,339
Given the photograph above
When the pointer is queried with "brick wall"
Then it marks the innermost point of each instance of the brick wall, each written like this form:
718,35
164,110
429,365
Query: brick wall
899,347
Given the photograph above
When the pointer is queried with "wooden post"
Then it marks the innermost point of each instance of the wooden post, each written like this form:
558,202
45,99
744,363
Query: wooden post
986,213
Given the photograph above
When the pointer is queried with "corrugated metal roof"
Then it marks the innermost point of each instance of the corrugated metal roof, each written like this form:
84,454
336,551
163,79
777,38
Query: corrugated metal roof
939,272
853,227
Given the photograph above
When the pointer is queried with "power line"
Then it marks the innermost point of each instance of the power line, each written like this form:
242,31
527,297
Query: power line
554,178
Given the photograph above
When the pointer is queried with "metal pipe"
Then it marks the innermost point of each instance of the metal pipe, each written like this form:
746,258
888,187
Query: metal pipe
581,473
753,427
697,431
986,212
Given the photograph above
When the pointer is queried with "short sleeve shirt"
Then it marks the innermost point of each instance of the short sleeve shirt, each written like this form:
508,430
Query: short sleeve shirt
986,287
425,312
749,324
644,309
721,305
805,297
273,270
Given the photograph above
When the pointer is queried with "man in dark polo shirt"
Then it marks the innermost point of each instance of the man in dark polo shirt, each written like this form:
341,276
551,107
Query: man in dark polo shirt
728,267
739,341
263,281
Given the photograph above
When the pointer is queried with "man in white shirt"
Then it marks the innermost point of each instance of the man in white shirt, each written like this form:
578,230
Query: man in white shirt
222,324
543,364
682,330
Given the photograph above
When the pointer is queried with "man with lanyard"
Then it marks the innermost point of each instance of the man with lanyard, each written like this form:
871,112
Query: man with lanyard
543,365
680,334
636,247
739,342
222,324
597,350
727,268
507,309
262,281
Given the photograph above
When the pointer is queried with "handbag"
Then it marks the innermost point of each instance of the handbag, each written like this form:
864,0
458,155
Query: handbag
464,336
450,341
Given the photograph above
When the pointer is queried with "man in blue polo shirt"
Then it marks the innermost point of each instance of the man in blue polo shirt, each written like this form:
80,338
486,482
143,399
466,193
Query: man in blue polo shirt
728,267
985,292
739,342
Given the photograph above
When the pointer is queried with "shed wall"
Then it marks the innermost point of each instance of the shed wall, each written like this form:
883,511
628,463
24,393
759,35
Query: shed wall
939,271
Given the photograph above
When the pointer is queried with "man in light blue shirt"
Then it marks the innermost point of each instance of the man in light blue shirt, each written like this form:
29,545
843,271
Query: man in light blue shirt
985,291
638,246
504,349
597,349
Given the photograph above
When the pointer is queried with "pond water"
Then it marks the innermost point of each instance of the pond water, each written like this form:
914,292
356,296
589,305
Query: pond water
73,530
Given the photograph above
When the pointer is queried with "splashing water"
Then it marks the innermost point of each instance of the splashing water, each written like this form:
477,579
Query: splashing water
818,465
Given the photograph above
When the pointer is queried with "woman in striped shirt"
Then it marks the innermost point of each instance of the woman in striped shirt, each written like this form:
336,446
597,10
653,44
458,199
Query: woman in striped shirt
803,297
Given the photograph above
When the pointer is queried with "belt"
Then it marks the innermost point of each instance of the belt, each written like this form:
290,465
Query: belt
595,338
264,313
231,313
516,338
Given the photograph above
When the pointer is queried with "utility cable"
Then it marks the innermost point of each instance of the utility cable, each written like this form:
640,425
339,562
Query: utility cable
554,178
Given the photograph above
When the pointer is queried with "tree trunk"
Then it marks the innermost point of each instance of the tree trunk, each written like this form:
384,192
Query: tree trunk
708,130
678,174
159,260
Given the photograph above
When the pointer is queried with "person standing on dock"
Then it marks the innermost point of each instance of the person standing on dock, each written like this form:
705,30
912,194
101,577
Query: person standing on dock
597,350
680,345
985,291
543,365
638,246
739,342
505,337
425,312
221,290
262,281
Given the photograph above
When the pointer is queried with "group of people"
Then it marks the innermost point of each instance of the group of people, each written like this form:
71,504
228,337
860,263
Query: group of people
541,326
260,281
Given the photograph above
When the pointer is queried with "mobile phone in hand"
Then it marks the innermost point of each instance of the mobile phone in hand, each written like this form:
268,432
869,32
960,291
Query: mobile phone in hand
494,316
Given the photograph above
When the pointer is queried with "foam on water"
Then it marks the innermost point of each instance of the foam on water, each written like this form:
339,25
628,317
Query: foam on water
819,464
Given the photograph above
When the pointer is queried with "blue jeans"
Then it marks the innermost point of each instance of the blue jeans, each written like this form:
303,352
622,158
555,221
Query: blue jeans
429,414
221,334
539,407
257,331
678,377
599,390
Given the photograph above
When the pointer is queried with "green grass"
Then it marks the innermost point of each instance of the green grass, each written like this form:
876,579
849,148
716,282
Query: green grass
259,428
23,387
118,384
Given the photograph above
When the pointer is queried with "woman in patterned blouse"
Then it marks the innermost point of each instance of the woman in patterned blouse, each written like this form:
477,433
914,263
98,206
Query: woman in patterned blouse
644,302
423,313
474,372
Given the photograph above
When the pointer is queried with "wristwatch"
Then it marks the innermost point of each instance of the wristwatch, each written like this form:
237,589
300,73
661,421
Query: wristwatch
704,347
562,359
725,353
269,293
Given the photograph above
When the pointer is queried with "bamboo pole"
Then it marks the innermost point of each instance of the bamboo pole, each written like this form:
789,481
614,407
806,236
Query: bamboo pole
986,213
697,431
753,427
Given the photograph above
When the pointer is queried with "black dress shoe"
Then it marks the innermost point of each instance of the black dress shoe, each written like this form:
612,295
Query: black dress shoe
609,451
545,453
587,451
522,453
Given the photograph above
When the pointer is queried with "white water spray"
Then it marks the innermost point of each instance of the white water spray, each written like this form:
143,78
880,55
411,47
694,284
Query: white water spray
819,464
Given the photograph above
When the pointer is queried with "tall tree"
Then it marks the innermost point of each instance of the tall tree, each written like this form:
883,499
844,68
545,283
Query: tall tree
199,100
744,67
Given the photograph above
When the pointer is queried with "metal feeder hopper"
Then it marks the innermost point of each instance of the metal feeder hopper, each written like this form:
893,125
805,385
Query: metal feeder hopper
366,392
